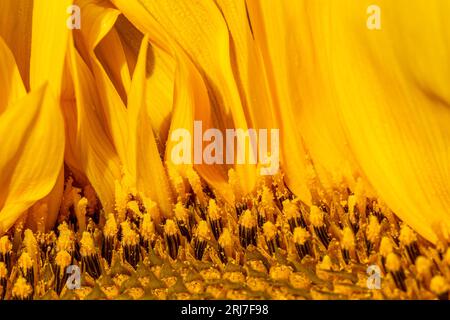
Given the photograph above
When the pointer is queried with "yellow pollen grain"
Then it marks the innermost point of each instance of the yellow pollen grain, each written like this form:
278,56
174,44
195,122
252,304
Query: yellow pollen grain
170,228
202,230
439,285
247,220
147,227
373,229
407,236
348,239
3,270
386,246
213,210
225,240
21,288
25,262
290,209
63,259
316,216
180,212
110,229
5,245
301,235
269,230
393,262
423,265
87,244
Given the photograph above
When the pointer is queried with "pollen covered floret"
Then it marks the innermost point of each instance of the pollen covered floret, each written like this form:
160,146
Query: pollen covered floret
269,246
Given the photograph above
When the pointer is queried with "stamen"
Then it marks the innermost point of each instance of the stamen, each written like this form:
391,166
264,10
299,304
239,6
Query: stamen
317,220
5,251
182,216
25,263
109,233
270,232
372,233
63,260
386,248
225,245
423,267
130,244
247,229
3,280
22,290
302,242
440,287
408,239
147,231
200,239
347,244
172,238
394,266
89,257
353,212
293,215
215,218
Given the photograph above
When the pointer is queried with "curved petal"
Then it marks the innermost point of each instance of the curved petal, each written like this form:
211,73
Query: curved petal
98,157
395,103
145,160
16,18
32,147
207,46
11,85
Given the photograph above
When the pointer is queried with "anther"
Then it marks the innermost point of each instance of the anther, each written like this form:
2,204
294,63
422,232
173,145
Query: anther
172,238
200,239
89,257
215,218
302,241
247,229
317,220
293,215
270,232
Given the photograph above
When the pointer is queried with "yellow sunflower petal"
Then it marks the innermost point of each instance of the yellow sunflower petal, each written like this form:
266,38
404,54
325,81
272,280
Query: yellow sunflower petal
99,18
16,18
145,163
207,45
30,153
98,157
11,85
161,70
395,102
48,43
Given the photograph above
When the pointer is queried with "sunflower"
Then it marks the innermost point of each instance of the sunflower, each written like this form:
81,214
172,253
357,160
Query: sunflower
89,178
